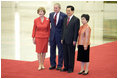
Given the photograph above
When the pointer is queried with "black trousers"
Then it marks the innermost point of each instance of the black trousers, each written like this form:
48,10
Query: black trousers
69,56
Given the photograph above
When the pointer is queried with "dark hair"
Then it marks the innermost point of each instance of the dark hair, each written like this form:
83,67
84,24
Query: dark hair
86,16
72,8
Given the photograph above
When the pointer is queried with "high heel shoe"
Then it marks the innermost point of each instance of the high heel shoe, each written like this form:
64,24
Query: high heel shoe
81,72
85,73
39,68
42,67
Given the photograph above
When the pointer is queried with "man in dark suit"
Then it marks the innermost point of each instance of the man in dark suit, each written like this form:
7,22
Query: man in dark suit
56,19
71,26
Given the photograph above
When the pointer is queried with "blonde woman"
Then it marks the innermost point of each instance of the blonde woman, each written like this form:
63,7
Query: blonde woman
40,35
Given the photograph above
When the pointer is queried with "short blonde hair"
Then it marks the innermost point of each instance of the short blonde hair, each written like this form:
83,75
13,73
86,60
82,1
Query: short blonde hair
41,8
58,5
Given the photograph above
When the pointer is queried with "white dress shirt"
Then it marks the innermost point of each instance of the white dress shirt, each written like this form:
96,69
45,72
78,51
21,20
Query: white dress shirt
57,19
70,17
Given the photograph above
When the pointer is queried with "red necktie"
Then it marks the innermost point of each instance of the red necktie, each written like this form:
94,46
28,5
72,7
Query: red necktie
68,20
55,18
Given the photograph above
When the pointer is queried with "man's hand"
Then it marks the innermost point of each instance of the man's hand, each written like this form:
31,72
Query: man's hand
61,41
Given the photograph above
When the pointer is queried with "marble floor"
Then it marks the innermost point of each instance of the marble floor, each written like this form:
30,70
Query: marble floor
17,24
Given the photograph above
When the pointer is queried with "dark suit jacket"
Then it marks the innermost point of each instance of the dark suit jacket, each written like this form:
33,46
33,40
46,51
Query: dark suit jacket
56,29
70,31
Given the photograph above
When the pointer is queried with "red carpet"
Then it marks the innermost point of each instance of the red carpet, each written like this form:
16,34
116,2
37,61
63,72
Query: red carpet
103,64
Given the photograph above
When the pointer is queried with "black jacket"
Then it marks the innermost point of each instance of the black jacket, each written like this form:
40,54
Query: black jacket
70,31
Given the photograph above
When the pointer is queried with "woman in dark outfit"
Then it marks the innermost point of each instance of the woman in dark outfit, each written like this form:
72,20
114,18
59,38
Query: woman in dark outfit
84,44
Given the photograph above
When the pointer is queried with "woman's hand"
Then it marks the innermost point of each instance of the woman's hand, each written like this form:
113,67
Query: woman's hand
85,48
34,41
74,43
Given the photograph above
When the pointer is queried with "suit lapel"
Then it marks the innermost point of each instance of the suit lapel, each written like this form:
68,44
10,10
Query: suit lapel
65,22
53,19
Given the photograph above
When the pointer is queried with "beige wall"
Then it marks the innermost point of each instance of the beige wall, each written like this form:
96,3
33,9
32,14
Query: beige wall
21,14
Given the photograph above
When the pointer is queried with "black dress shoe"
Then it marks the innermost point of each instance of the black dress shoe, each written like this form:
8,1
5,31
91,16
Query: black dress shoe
52,67
70,71
58,68
85,73
63,70
81,72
